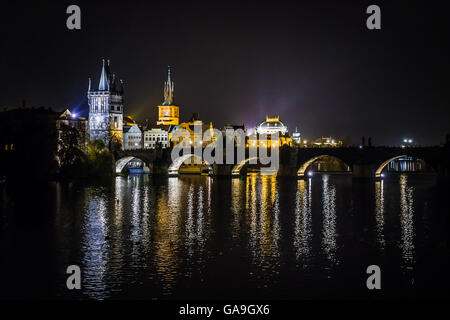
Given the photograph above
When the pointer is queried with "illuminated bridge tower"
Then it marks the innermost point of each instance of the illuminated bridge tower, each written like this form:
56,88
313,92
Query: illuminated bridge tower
106,110
168,113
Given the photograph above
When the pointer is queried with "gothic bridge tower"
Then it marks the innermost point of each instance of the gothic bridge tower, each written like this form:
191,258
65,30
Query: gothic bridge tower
106,109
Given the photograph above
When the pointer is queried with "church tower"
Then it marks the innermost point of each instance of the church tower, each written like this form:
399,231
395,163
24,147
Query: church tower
106,109
168,112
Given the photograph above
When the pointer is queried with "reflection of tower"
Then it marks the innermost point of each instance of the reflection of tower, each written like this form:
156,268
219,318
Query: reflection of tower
106,109
168,113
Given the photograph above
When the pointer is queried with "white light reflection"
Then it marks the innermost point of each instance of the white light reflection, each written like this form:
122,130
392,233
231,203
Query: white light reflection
94,245
329,219
406,221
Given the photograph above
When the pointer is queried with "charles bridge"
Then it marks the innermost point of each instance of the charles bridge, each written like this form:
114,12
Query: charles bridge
365,162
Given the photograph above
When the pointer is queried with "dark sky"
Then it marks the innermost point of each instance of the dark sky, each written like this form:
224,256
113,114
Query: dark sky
315,64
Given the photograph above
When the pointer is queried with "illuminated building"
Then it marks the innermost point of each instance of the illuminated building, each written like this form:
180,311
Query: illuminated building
296,137
272,125
132,137
106,109
168,113
195,128
154,136
263,134
327,142
79,123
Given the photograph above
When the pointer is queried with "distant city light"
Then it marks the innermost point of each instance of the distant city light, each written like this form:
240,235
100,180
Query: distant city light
310,173
382,175
74,115
407,140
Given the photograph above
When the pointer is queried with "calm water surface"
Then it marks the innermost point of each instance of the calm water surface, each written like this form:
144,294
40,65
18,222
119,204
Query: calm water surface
201,237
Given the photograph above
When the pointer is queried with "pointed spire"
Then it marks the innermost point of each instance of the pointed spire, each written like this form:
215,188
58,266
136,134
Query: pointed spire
168,89
113,83
121,86
89,86
103,84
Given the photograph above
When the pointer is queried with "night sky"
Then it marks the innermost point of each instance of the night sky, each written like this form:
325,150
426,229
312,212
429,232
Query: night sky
315,64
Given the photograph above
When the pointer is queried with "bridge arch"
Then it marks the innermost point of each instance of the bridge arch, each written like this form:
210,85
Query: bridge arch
385,163
380,168
236,171
175,165
121,163
237,168
301,171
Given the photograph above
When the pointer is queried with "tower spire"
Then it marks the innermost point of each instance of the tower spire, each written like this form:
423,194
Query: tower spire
168,89
89,86
103,84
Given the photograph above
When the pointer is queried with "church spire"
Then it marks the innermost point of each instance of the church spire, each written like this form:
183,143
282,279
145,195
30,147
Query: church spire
103,85
168,90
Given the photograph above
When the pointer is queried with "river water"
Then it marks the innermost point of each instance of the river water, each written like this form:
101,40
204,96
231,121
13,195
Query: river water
200,237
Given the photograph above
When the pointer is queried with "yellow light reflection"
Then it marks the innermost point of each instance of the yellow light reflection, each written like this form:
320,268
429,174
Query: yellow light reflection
303,230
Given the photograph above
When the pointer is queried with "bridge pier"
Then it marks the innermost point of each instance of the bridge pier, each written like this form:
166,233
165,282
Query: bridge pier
288,163
159,168
364,171
222,169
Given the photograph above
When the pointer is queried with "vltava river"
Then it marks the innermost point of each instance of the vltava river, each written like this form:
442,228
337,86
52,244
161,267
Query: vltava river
201,237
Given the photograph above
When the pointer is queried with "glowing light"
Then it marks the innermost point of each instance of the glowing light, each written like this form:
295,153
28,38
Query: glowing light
74,115
310,173
382,175
410,140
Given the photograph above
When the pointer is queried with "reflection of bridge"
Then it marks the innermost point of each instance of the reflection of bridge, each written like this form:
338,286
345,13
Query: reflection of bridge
364,163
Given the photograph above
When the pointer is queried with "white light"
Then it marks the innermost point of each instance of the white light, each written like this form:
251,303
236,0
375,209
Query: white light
74,115
310,173
410,141
405,140
382,175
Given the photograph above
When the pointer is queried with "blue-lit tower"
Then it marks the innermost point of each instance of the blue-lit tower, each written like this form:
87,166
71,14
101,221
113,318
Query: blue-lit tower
106,109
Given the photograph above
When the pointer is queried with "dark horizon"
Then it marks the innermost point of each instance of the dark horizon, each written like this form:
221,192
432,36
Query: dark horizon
317,66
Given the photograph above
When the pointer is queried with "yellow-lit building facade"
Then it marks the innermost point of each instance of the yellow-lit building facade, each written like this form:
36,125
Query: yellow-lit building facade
168,115
194,137
262,136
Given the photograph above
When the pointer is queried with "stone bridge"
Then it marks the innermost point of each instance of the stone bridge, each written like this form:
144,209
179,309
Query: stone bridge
365,162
